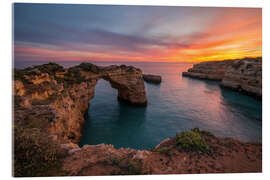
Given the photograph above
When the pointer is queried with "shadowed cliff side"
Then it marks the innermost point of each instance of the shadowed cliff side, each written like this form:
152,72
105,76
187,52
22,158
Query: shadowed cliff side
243,75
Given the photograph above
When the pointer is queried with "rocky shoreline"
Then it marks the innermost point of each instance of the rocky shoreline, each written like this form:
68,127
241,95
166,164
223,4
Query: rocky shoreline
188,152
243,75
49,107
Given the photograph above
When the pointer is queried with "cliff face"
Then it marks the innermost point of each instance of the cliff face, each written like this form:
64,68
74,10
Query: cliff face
243,75
189,152
66,92
213,70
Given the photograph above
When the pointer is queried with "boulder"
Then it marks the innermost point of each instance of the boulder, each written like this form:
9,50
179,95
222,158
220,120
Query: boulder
156,79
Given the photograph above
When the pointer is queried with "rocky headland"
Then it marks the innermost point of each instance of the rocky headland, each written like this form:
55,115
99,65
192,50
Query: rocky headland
243,75
49,106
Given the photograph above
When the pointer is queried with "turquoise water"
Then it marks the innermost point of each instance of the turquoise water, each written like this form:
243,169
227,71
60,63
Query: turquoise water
177,104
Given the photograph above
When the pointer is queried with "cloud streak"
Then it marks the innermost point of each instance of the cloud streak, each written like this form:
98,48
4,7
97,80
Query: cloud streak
114,33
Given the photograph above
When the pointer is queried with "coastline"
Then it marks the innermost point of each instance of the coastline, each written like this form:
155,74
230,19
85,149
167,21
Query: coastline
64,115
242,75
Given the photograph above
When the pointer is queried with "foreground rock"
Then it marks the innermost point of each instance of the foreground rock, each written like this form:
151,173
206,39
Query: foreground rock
152,78
243,75
206,154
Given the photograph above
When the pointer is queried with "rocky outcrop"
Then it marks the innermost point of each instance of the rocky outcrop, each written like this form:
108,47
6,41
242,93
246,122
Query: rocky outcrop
128,81
152,78
219,155
212,70
244,75
66,92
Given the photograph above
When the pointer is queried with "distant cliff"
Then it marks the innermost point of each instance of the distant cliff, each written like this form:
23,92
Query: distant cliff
243,75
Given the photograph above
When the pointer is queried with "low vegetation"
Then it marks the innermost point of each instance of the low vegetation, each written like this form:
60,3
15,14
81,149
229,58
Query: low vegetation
34,153
50,68
20,75
89,67
187,141
72,76
190,141
134,167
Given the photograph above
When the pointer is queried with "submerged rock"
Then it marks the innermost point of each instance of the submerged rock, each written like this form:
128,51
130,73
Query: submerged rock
152,78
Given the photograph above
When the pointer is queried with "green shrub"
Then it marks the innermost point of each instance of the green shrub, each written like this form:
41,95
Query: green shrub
50,68
190,141
196,130
134,167
115,160
74,76
202,132
89,67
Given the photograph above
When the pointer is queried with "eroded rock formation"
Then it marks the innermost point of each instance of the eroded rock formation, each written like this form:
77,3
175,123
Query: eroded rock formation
152,78
212,70
216,155
243,75
66,92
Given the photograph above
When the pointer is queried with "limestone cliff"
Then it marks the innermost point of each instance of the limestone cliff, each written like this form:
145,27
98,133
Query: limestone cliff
244,75
213,70
66,92
194,151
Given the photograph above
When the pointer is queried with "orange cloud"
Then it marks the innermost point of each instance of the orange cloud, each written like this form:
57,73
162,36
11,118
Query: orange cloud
234,33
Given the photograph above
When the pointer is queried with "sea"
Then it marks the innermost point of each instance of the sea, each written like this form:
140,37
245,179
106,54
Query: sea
175,105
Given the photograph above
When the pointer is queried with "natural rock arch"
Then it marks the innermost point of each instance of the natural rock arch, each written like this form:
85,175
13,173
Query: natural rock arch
128,80
65,93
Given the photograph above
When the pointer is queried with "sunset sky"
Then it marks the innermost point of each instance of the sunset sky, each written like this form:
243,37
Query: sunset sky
46,32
